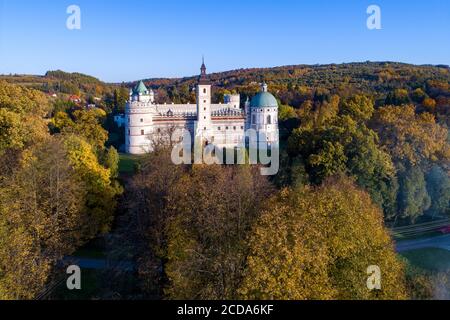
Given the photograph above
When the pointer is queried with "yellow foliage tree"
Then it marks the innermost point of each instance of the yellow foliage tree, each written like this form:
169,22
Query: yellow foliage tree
21,116
411,138
41,218
101,192
317,243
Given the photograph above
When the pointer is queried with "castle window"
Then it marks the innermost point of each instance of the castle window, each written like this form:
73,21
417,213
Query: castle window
159,130
204,109
205,128
269,119
226,128
254,118
204,90
218,128
142,132
142,120
129,119
204,118
129,132
204,101
242,127
234,128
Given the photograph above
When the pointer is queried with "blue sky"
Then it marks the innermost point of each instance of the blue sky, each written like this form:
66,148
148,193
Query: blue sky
134,39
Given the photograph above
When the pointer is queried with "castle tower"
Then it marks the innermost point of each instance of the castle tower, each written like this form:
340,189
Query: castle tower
138,120
203,93
264,114
140,93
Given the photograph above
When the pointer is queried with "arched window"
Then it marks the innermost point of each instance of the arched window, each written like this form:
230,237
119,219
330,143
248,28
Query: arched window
269,119
204,90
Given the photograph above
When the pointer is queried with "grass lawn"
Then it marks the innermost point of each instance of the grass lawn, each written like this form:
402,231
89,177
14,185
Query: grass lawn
425,235
430,259
127,162
113,138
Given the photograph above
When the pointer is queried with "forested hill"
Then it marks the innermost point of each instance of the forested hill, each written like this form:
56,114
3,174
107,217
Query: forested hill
287,82
61,82
319,75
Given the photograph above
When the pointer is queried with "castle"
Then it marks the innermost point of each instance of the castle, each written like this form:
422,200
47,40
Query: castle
222,124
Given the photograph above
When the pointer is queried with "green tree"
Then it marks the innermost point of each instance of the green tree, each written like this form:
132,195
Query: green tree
413,198
418,95
438,187
398,97
111,161
121,95
346,145
286,112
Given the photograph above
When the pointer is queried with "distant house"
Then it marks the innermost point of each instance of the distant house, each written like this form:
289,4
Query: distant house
119,120
74,99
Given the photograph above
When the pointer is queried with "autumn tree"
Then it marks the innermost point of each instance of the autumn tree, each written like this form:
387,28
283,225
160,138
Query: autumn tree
146,200
101,188
317,243
410,138
416,143
84,123
21,116
213,211
41,218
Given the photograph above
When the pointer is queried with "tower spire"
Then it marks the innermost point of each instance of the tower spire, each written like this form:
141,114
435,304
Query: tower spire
203,77
203,67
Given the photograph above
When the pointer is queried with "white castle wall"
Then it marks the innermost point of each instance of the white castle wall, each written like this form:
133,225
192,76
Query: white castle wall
222,124
265,120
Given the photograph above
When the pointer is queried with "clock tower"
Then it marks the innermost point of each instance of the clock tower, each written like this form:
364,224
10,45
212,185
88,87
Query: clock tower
203,104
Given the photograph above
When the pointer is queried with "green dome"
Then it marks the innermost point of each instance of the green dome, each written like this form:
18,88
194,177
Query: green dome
264,99
140,88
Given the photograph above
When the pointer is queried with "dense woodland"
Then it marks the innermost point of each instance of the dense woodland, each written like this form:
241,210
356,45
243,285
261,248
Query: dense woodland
365,146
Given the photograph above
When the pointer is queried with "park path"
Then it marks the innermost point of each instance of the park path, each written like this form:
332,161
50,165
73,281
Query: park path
100,264
442,242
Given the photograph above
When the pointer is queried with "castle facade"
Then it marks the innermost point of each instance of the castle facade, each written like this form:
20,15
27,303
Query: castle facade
222,124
